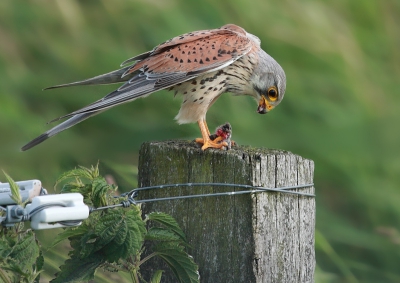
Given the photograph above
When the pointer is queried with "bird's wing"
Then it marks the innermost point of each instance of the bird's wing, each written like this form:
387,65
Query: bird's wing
187,38
174,62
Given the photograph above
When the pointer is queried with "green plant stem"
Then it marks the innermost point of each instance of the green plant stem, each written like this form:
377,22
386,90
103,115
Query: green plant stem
146,259
134,276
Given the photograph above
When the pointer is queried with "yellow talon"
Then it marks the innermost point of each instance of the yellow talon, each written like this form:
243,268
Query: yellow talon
206,141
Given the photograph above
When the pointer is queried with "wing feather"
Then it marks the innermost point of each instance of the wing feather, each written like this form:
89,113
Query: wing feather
205,53
109,78
175,61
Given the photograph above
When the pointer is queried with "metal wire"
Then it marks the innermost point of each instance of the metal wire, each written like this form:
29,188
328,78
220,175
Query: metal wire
43,207
134,193
282,189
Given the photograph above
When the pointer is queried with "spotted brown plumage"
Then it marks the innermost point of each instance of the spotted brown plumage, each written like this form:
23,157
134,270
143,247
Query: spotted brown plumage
195,52
198,65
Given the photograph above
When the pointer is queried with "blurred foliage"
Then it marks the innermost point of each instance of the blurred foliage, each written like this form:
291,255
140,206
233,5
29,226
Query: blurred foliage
21,259
342,63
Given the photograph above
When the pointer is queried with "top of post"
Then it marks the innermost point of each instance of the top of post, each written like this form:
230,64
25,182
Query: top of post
193,148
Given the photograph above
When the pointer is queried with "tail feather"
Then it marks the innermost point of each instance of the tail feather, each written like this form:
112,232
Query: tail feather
137,58
109,78
59,128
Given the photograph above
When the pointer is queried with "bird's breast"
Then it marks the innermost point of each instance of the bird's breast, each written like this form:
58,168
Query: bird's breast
199,94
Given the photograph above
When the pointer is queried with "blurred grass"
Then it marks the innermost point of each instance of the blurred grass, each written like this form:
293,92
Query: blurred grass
342,63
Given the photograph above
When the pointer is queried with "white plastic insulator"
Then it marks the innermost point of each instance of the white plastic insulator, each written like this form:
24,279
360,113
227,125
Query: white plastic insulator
75,210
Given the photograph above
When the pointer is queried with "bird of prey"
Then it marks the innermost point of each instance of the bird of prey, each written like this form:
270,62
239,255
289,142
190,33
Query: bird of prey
200,65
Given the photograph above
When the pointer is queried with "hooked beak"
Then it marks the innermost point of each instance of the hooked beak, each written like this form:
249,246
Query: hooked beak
264,106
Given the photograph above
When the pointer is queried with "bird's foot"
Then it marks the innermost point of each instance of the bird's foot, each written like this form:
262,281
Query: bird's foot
216,143
228,140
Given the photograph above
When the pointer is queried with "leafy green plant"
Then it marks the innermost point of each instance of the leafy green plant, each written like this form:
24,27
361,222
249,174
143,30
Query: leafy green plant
112,239
21,259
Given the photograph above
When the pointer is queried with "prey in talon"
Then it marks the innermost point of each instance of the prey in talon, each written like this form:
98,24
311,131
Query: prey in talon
221,137
223,134
200,66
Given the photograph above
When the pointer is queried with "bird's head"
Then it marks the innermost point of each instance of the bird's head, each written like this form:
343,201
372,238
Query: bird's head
269,83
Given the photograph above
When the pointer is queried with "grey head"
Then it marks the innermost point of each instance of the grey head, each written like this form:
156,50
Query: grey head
269,82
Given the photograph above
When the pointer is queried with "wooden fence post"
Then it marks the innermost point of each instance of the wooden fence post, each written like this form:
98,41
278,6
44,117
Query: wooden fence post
264,237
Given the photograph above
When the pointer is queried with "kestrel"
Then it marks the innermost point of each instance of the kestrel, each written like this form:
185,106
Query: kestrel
200,65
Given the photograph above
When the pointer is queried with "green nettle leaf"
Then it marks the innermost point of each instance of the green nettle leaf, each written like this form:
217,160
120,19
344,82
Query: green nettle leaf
161,234
168,221
109,225
72,188
24,260
77,269
79,173
95,170
39,261
117,234
114,252
76,173
88,244
85,190
76,244
5,249
181,263
100,189
15,194
134,218
120,237
13,266
135,238
157,276
70,232
119,248
26,251
129,237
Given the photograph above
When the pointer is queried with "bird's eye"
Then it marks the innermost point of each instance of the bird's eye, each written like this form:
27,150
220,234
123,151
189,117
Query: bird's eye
272,93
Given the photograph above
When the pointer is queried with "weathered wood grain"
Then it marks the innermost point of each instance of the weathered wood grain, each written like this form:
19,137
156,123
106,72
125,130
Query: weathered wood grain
264,237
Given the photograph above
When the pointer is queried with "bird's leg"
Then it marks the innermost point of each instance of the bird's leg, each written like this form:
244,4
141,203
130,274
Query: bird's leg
205,124
206,141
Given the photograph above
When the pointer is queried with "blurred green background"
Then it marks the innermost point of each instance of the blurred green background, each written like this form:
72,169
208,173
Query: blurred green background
341,107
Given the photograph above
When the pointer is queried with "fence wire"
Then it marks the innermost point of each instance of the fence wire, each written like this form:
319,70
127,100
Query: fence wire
133,194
